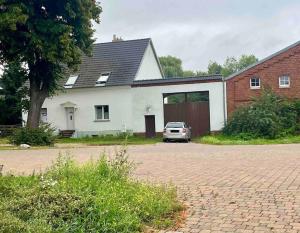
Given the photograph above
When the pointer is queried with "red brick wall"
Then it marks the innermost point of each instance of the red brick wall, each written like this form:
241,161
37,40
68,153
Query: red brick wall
286,63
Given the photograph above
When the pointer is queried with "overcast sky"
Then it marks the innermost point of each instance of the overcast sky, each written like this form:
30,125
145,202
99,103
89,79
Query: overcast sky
198,31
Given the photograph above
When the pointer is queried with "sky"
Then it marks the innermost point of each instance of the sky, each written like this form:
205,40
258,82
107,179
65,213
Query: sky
199,31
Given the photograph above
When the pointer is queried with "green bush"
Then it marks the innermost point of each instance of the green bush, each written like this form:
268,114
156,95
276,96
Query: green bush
42,136
96,197
268,116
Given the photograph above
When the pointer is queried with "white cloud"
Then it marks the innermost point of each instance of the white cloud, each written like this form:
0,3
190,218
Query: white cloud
198,31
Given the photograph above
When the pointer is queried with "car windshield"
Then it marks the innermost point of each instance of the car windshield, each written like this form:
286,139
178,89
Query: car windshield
175,125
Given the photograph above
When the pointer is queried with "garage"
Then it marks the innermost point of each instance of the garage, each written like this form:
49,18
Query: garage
189,107
197,101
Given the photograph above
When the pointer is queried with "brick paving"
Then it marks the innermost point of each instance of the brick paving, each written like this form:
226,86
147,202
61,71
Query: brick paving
226,188
231,188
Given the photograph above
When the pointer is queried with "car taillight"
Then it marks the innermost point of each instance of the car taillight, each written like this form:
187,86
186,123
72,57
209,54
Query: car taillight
184,130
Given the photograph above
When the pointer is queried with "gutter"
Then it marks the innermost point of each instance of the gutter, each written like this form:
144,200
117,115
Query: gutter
224,101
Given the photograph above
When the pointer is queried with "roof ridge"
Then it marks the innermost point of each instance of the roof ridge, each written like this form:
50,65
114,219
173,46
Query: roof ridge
264,59
120,41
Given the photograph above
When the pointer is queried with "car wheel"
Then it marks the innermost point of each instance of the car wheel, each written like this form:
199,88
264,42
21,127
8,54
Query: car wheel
165,140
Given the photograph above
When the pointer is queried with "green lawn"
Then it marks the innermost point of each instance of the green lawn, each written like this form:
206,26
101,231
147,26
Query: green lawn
99,196
92,141
111,140
3,141
4,144
226,140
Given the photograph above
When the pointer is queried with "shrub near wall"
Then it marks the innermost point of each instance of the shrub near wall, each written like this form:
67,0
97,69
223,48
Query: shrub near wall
268,116
42,136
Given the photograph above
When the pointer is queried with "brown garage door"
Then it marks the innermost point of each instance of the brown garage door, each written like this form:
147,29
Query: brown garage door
195,114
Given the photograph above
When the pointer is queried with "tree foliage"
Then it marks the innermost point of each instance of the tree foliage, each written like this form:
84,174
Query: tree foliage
214,68
172,66
233,65
48,36
12,92
188,73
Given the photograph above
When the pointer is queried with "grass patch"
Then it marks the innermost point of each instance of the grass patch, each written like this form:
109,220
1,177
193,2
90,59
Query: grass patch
229,140
111,140
3,141
5,145
92,141
96,197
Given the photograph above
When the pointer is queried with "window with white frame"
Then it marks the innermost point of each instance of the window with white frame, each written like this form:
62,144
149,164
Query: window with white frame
284,81
102,112
71,81
102,79
255,83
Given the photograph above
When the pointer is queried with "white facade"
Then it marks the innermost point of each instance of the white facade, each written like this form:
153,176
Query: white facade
149,68
127,107
118,99
149,101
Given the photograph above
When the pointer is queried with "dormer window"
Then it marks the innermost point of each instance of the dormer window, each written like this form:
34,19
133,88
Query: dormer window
102,79
71,81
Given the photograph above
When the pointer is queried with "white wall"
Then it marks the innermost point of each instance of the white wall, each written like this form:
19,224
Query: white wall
149,68
145,97
118,99
127,107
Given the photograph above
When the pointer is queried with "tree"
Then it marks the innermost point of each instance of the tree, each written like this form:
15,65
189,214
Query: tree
172,66
12,92
233,65
48,36
246,60
230,66
188,73
200,73
214,68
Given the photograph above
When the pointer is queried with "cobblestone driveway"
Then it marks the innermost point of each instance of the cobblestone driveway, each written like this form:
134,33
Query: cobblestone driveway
231,188
227,188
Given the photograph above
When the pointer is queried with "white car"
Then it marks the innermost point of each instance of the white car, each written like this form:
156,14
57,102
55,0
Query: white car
177,131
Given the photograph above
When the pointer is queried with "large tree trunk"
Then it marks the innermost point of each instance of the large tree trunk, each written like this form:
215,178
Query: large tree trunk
37,98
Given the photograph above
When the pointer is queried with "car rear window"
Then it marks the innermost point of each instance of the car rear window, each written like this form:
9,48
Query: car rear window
174,125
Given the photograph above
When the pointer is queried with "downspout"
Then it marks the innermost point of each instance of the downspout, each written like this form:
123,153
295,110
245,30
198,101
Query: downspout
224,101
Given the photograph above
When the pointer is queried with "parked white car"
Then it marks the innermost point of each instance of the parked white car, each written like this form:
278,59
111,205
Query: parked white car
177,131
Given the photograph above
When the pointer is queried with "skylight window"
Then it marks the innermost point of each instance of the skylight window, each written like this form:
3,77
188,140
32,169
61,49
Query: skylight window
102,79
71,81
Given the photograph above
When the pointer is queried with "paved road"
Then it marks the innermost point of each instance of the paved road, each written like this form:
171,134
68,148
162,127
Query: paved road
228,188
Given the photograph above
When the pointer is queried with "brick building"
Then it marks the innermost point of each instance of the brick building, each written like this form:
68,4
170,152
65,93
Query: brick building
280,72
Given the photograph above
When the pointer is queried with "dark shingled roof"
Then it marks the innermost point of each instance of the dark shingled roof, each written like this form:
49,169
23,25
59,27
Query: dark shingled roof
122,59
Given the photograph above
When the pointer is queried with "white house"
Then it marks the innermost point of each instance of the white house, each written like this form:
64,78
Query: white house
121,88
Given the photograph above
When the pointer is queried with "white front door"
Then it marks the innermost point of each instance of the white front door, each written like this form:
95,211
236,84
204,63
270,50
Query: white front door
70,119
